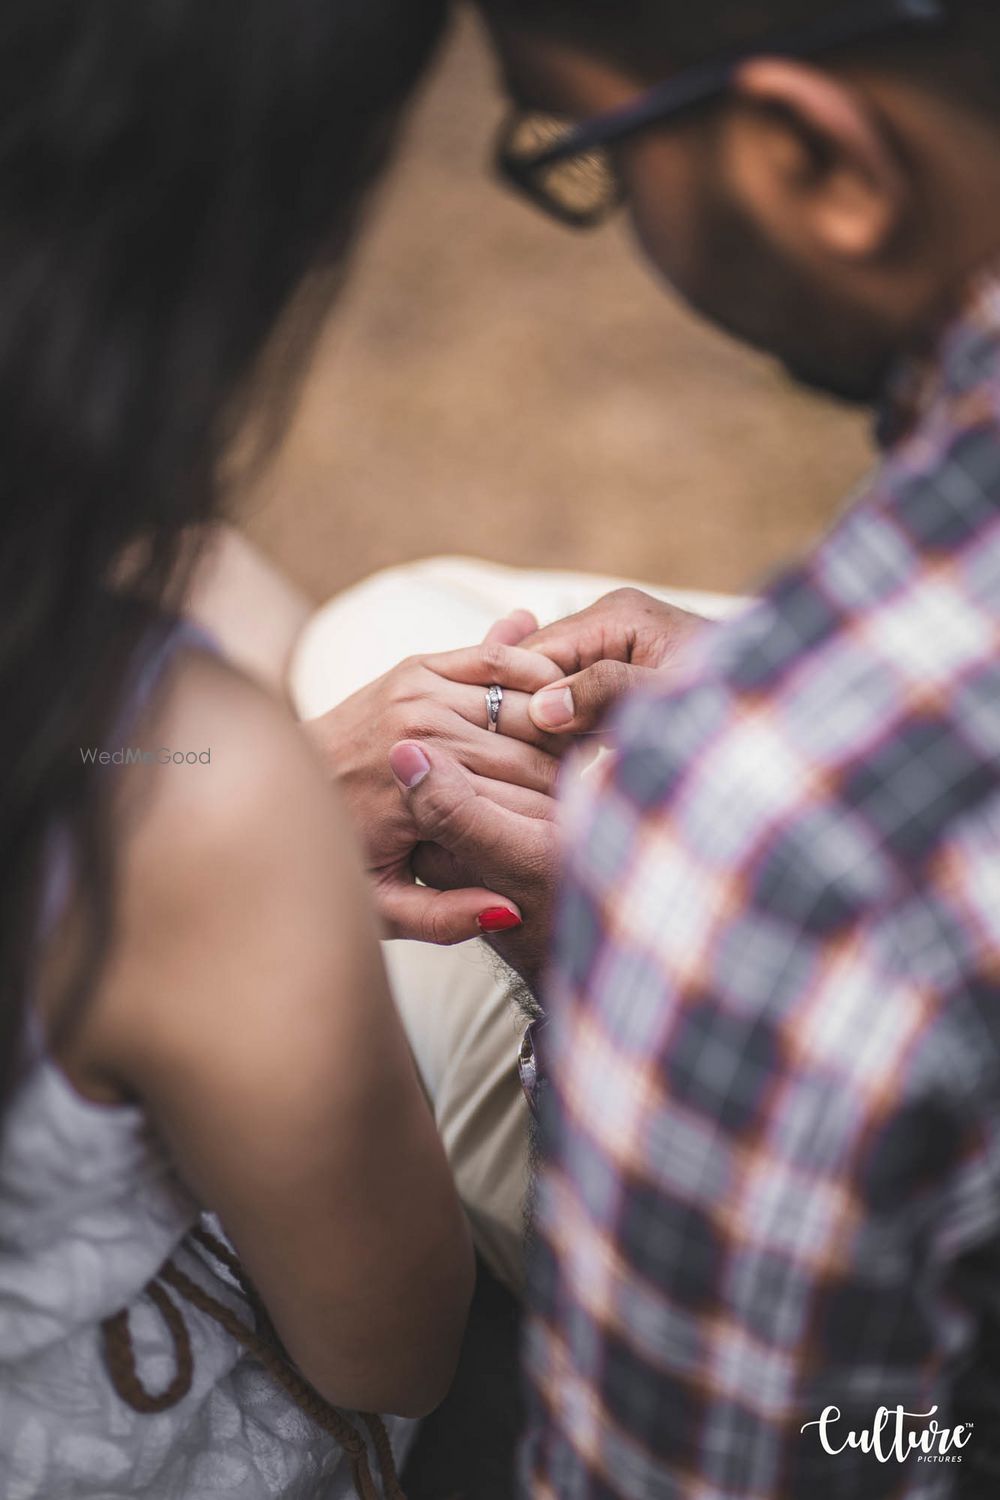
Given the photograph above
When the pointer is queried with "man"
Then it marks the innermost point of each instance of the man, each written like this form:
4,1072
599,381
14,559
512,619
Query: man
768,1221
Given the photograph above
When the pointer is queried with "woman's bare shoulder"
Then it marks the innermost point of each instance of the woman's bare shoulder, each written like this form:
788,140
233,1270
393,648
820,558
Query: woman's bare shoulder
233,853
220,754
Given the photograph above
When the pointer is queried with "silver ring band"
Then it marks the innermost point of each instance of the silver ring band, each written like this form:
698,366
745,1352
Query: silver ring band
494,703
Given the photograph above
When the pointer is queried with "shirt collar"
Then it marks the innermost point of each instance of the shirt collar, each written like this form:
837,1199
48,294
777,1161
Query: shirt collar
943,366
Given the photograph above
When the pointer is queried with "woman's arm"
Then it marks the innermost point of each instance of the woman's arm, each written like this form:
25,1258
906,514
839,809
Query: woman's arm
248,1008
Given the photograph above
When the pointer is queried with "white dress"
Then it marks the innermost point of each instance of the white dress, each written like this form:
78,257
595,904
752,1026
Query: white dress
90,1208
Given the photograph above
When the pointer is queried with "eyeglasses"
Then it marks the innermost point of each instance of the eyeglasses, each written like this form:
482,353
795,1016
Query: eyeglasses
568,169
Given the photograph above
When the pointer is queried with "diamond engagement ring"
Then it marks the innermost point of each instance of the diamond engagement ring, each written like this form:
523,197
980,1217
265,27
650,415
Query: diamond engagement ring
494,702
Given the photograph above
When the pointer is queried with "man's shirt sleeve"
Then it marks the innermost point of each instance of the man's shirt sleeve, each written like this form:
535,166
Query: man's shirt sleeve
764,1177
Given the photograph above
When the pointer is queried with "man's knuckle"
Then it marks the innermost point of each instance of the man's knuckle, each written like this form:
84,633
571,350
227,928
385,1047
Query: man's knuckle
443,819
606,675
435,808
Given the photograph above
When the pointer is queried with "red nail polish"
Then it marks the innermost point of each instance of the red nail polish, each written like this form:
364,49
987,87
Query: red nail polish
498,919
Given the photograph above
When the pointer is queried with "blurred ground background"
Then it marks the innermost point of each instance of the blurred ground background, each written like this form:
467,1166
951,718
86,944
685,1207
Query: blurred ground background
494,385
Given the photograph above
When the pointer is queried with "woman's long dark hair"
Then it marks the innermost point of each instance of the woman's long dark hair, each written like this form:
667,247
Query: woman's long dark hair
172,172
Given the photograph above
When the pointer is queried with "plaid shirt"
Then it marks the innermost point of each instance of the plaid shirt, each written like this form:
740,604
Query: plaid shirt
771,1132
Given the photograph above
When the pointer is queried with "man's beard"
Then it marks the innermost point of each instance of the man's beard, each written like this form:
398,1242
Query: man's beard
767,302
855,389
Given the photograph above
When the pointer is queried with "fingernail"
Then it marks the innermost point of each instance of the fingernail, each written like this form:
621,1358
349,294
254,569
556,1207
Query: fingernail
553,707
409,765
498,919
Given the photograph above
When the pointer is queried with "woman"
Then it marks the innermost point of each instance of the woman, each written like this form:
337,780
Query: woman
193,1011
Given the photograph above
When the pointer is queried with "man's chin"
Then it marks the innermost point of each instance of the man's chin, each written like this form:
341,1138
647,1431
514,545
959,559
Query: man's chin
857,387
855,379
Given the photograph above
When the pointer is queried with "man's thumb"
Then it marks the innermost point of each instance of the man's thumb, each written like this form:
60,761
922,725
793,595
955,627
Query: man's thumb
579,704
444,806
409,764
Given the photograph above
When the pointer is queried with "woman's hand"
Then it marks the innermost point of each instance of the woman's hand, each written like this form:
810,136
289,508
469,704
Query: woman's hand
441,700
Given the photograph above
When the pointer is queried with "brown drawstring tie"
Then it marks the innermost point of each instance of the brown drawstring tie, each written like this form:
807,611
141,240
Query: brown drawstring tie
262,1343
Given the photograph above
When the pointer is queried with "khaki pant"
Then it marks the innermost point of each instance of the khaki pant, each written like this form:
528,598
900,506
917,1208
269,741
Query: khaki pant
455,1003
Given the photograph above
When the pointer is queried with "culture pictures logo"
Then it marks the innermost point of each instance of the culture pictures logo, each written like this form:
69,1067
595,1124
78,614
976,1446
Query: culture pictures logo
895,1436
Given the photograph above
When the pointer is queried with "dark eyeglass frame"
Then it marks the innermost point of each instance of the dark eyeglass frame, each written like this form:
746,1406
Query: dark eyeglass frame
696,85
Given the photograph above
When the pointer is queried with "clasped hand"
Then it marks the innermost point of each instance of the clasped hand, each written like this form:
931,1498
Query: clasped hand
471,814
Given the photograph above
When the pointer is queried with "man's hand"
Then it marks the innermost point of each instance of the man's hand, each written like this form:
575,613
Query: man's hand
512,851
604,652
441,700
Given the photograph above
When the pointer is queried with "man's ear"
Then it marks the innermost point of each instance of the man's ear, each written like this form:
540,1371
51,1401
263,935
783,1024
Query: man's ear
811,159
